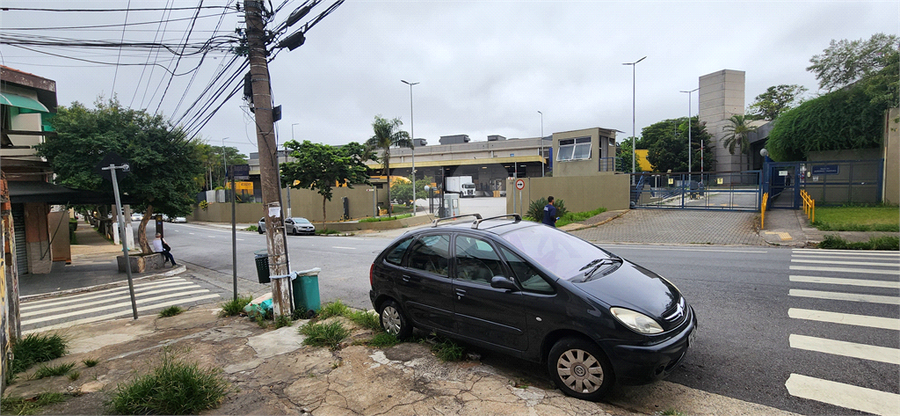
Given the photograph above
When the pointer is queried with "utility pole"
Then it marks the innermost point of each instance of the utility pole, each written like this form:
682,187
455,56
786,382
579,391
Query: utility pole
268,175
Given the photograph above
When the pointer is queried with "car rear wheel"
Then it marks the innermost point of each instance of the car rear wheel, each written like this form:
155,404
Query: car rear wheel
393,321
580,369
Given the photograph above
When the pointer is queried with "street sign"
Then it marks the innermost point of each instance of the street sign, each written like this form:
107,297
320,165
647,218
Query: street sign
241,172
112,158
520,184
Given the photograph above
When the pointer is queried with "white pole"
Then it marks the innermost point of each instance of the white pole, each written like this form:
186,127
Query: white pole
412,135
633,99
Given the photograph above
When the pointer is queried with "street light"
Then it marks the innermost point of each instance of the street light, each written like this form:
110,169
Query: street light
279,174
633,132
542,143
225,164
413,137
689,129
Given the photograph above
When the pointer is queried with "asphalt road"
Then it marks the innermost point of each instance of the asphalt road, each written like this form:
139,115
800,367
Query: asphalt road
751,344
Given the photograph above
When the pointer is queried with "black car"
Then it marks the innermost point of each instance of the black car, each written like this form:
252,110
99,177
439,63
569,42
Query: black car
537,293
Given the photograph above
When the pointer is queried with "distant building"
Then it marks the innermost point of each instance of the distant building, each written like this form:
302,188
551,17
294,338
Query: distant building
455,139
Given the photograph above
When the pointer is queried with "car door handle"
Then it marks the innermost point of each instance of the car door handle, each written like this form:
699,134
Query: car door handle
407,278
460,293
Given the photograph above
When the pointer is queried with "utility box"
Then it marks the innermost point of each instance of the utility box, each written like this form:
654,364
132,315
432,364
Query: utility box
451,205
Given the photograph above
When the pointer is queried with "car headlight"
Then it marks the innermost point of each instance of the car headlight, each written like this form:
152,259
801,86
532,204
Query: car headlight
636,321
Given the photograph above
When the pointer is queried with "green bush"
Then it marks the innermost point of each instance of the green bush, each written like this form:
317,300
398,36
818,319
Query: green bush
536,209
172,387
876,243
380,219
235,306
36,348
324,335
170,311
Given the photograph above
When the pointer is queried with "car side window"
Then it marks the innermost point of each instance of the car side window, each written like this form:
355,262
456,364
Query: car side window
529,277
395,256
431,253
476,260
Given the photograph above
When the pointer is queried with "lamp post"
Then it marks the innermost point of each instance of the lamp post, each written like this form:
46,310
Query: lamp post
412,135
689,129
225,164
233,228
289,186
542,143
633,99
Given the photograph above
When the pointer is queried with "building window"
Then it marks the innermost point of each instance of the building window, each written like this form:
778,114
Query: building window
574,149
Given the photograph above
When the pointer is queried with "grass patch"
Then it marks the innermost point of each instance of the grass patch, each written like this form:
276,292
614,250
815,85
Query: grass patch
336,308
253,228
90,362
74,375
380,219
45,371
670,412
327,231
282,321
31,405
876,243
170,311
324,335
173,387
36,348
571,217
365,319
446,350
235,307
383,340
858,218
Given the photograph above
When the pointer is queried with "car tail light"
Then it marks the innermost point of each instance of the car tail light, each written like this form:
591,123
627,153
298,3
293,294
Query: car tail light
372,275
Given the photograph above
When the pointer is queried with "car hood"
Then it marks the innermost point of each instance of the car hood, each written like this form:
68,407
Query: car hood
636,288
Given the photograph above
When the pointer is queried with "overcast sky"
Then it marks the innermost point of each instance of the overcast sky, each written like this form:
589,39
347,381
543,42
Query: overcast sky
484,67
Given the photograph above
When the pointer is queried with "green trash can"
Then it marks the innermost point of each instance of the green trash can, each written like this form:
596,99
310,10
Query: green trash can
262,266
305,286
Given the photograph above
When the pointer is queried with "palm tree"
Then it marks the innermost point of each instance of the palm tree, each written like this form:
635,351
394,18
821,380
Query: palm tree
738,134
387,134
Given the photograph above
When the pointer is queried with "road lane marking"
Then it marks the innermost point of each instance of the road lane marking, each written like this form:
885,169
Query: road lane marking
845,318
846,349
117,305
845,270
345,248
848,282
845,263
852,297
843,395
114,315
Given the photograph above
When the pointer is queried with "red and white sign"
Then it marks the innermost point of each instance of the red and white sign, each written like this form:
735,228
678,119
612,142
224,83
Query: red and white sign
520,184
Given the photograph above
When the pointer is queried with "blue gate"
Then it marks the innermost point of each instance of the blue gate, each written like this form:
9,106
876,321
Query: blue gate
832,182
732,191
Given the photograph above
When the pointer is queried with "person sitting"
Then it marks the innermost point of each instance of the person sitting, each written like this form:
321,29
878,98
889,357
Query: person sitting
160,246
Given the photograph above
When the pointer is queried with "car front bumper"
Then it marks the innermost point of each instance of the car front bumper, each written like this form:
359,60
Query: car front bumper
645,363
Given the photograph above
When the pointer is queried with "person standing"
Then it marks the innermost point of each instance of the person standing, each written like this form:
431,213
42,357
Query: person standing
550,213
160,246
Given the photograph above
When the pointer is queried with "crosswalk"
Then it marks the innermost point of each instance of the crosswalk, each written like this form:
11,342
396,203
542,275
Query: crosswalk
150,297
863,278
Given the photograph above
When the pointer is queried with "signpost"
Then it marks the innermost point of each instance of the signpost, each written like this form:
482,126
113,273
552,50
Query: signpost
520,185
121,223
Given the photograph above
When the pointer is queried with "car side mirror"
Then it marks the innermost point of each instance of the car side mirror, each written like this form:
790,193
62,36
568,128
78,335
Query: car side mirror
502,282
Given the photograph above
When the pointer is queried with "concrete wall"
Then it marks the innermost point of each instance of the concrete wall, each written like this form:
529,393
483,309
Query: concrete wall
580,193
891,193
722,96
603,145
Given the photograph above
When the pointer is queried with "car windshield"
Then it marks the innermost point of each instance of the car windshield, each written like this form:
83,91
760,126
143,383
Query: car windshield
564,255
298,220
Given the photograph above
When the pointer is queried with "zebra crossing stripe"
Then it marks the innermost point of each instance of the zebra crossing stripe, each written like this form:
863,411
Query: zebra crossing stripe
858,253
845,318
100,293
127,303
121,295
846,270
852,297
846,349
831,260
849,282
843,395
844,257
114,315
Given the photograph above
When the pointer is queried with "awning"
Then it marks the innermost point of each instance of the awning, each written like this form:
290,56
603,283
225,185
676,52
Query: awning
36,191
29,105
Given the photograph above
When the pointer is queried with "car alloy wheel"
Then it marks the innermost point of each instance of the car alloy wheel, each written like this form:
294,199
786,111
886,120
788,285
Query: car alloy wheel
393,321
580,369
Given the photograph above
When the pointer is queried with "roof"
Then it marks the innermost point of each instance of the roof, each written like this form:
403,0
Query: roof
36,191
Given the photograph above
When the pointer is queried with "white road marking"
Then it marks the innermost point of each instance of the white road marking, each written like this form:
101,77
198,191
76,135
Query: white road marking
846,270
844,257
874,253
845,318
345,248
127,303
124,295
846,349
845,263
852,297
114,315
101,293
849,282
843,395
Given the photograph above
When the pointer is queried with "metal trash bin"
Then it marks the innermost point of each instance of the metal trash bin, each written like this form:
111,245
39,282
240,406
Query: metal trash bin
262,266
305,288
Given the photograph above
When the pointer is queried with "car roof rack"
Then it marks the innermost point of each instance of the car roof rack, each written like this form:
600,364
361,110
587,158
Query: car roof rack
436,221
478,221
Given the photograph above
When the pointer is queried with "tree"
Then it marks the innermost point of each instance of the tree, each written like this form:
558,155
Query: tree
624,155
737,133
321,167
401,189
776,100
388,134
845,62
667,144
164,163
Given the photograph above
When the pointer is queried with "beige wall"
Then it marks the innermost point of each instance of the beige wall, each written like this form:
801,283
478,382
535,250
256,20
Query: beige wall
580,193
722,96
304,203
891,194
603,145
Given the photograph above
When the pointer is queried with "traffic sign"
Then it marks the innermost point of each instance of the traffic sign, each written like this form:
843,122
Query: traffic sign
520,184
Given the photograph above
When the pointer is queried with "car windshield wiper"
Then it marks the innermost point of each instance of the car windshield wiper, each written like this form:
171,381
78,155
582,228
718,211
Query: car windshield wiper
596,264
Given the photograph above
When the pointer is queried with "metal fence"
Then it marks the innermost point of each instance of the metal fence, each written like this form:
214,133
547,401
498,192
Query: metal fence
735,191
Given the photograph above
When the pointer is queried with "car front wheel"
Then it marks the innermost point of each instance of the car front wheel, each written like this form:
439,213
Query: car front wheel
393,321
580,369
